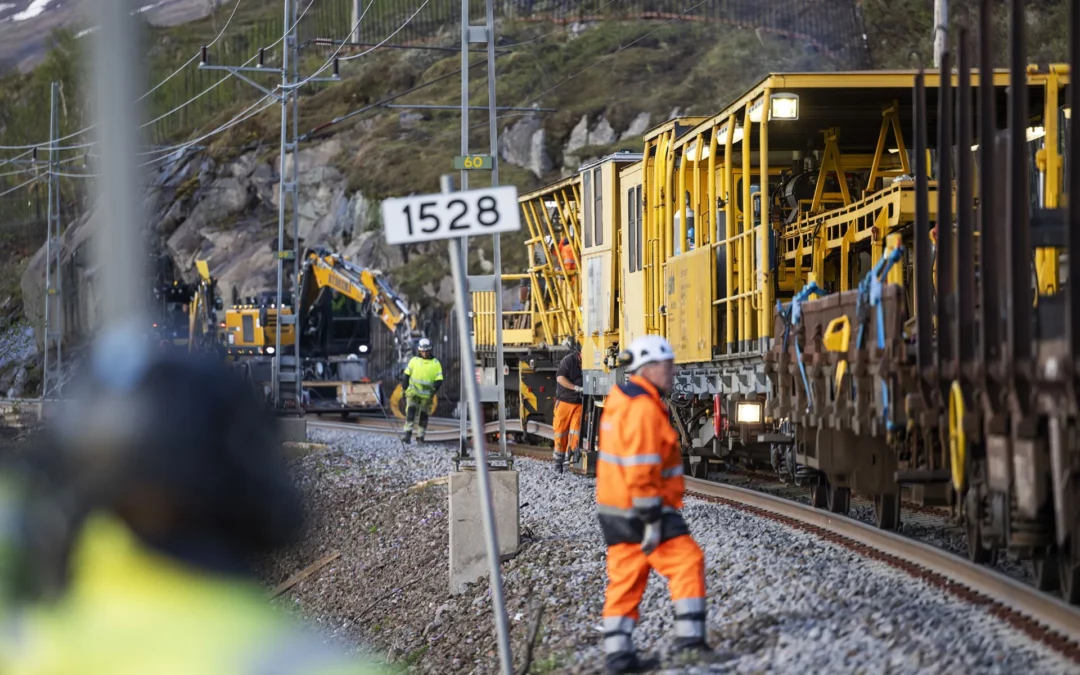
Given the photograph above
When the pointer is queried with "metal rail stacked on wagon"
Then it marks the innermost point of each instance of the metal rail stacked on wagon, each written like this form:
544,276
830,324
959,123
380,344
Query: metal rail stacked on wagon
827,311
961,380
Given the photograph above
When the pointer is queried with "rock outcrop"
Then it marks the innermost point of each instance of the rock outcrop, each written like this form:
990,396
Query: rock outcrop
226,212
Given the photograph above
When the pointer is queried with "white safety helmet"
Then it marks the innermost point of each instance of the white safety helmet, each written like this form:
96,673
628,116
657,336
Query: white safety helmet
425,345
646,349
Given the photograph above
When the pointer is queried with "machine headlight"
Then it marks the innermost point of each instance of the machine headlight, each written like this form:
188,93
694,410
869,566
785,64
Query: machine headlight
784,107
269,350
748,412
363,349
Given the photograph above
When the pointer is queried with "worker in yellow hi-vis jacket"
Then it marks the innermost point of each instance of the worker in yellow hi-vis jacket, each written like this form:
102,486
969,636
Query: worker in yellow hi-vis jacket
422,379
173,483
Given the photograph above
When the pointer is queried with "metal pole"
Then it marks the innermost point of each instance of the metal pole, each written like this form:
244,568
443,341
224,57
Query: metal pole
357,11
493,130
941,29
294,191
58,388
463,243
49,241
498,604
282,183
120,253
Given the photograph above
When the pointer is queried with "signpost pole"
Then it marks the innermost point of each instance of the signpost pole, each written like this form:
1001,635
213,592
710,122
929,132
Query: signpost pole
453,216
498,604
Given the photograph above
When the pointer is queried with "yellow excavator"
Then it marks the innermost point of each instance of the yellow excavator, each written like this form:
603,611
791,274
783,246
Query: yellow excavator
205,331
334,303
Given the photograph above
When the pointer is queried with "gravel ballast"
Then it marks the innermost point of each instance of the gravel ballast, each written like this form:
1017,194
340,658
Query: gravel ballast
780,599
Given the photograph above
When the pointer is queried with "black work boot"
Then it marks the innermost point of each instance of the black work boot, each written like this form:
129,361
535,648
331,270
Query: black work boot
558,466
687,652
407,438
629,662
420,438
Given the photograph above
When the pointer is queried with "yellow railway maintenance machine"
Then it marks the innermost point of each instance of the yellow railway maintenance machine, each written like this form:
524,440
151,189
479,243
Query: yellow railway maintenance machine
546,316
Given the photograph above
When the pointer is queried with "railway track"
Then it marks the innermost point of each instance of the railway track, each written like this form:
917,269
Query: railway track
1042,616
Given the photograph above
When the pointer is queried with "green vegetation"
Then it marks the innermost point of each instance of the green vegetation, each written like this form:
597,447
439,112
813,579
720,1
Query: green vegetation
900,32
615,69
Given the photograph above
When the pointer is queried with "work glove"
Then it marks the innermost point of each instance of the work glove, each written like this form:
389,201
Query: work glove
652,537
578,388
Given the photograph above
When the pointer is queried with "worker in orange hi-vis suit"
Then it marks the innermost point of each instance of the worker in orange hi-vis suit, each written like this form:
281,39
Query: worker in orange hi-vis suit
569,264
639,491
567,405
567,252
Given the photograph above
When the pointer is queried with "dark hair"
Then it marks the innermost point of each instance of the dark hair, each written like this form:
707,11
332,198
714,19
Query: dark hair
199,441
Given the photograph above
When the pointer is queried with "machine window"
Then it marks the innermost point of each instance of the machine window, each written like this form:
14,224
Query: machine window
639,208
586,197
598,214
631,228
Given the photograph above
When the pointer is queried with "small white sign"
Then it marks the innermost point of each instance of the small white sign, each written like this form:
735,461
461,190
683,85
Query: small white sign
471,213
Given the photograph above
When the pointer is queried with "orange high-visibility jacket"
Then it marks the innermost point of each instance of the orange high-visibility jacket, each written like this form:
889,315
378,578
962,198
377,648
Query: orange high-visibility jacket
639,475
568,256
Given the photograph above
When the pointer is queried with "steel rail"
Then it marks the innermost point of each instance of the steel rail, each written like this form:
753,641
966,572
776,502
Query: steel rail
438,435
1022,598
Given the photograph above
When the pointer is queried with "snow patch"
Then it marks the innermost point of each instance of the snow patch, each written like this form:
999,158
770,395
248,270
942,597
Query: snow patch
36,7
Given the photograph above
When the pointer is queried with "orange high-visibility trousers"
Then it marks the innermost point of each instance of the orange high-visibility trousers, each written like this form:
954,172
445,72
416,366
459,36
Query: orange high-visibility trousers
681,562
567,428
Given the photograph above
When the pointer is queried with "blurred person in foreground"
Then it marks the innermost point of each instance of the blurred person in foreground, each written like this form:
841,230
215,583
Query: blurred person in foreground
175,483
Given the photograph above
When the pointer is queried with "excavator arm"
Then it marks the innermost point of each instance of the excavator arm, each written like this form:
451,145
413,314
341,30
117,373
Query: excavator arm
202,320
363,285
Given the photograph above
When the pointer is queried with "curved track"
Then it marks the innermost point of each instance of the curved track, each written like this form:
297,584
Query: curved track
439,429
1044,617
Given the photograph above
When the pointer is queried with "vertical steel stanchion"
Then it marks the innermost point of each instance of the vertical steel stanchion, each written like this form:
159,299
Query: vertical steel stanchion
49,244
493,131
286,91
298,370
498,604
463,243
120,253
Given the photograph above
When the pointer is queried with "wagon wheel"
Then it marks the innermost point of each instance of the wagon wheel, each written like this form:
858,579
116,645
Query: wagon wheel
887,511
839,499
1069,575
973,517
819,498
1047,570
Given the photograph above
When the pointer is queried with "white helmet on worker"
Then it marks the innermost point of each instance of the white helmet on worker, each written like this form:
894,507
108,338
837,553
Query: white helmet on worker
425,345
646,349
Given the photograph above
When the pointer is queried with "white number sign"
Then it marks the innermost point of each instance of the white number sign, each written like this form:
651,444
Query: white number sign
471,213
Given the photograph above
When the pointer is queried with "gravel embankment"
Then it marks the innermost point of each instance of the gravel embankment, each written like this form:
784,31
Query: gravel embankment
780,600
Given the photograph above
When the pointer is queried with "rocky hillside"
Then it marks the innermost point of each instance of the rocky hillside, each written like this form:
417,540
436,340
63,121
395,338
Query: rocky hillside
220,204
606,81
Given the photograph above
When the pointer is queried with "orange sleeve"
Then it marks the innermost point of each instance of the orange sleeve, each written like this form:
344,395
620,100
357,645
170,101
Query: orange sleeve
641,461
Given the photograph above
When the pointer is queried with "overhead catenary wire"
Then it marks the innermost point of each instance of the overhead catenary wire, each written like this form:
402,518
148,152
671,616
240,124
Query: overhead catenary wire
45,144
242,117
334,56
228,75
195,58
22,185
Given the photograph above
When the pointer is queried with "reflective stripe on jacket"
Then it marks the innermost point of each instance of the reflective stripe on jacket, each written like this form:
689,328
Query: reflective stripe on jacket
423,374
639,473
568,257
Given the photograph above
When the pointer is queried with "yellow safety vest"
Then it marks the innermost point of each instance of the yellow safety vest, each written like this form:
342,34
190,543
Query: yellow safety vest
423,374
132,611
